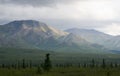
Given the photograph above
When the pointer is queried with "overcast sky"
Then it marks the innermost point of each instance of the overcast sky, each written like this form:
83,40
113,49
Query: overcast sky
102,15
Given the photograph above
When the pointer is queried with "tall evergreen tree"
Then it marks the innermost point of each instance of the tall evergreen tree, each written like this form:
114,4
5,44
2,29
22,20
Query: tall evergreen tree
116,65
18,65
84,65
3,65
103,63
30,64
93,63
111,65
47,63
23,64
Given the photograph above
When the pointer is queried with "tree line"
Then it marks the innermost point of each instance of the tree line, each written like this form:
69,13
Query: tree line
47,65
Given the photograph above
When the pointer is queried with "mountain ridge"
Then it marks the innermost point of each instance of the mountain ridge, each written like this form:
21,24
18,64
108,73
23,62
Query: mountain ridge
90,35
34,34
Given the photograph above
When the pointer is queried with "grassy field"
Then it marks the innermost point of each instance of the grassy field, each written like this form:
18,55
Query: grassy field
68,63
69,71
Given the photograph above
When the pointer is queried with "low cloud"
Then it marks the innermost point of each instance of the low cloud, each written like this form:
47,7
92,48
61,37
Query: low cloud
113,29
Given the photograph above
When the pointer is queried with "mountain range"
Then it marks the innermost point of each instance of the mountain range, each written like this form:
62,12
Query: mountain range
38,35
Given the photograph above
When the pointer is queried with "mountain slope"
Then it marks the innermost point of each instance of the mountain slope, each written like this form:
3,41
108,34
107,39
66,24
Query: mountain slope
27,32
34,34
92,36
74,43
113,43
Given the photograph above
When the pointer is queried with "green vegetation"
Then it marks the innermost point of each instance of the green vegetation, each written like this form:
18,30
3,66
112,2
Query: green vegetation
68,71
33,62
36,56
47,64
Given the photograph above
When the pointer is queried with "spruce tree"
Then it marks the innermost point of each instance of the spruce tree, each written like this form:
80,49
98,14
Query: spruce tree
23,64
47,63
111,65
30,64
93,63
116,65
103,63
3,65
18,65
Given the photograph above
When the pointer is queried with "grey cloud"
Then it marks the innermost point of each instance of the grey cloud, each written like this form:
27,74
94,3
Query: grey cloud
36,2
89,15
87,24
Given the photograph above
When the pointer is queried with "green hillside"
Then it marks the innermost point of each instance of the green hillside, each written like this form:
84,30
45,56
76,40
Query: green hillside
12,55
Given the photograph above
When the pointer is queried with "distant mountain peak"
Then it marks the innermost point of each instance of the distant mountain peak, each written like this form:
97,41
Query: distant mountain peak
90,35
82,30
30,23
32,26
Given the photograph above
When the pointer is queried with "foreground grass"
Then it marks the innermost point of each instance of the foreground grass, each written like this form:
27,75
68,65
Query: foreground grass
71,71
